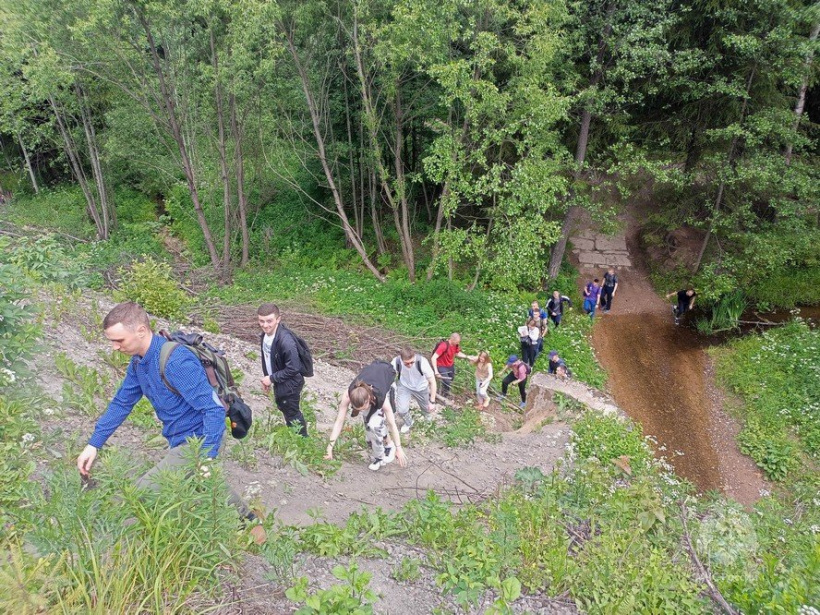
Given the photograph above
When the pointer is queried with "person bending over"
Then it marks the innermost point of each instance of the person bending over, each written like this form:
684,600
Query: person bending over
192,410
372,394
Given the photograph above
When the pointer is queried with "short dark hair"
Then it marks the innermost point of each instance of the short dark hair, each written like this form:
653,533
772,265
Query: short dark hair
266,309
129,314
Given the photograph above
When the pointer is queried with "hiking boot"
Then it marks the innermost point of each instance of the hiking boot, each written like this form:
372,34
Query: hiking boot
405,428
389,455
377,463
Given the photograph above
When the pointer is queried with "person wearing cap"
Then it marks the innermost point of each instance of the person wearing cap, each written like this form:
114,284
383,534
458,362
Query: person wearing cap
519,371
557,366
193,410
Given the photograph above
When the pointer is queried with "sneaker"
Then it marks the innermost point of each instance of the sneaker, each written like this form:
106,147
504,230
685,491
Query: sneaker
377,463
501,397
405,428
390,455
522,405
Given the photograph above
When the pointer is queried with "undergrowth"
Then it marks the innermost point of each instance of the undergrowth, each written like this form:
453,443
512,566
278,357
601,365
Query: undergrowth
777,376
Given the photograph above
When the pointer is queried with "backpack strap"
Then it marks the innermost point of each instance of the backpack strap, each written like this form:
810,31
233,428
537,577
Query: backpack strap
164,355
418,364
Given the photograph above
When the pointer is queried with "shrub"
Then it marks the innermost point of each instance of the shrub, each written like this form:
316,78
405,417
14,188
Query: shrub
151,284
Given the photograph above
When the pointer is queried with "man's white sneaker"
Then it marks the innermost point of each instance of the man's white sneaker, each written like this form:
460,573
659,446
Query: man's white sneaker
376,464
405,429
390,455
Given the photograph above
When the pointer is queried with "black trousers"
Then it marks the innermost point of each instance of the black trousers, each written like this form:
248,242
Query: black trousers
522,386
606,297
289,405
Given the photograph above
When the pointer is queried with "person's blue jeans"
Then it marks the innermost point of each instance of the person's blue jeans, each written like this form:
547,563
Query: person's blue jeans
589,307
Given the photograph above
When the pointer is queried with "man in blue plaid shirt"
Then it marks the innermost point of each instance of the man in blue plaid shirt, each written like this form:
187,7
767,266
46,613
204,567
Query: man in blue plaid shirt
196,412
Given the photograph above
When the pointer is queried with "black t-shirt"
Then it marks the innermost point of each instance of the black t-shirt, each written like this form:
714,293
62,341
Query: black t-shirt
684,298
380,375
610,280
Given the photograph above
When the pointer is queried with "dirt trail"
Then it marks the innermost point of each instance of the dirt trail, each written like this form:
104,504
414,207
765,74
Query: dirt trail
660,376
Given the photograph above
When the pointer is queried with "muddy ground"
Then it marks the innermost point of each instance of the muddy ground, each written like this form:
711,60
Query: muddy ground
661,376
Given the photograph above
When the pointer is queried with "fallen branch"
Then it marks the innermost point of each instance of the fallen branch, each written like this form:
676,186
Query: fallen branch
714,592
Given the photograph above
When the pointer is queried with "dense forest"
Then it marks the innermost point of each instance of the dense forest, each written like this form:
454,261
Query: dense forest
422,139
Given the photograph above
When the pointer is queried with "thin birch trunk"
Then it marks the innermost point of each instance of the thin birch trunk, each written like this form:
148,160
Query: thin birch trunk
29,168
804,86
241,196
350,232
167,101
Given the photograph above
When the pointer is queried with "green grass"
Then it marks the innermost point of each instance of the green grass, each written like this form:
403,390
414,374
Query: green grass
777,376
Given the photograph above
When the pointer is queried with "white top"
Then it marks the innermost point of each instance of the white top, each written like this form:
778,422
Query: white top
410,377
267,344
534,333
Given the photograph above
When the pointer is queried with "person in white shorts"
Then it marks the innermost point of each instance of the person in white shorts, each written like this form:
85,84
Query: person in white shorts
416,380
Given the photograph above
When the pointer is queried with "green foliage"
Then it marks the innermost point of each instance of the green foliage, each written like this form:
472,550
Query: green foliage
408,570
607,438
353,597
61,210
19,440
462,428
151,284
85,389
776,376
17,333
303,454
178,543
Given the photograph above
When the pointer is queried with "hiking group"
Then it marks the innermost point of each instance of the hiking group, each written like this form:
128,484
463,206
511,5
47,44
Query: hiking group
191,389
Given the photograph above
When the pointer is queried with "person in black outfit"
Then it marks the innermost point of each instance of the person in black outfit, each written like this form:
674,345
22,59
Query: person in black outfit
281,367
686,301
555,307
608,289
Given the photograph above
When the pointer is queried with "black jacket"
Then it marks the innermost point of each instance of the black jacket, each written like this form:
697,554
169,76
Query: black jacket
286,377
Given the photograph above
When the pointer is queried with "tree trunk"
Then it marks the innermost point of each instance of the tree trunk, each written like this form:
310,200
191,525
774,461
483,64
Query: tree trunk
804,86
396,200
557,253
168,102
374,215
29,168
445,193
722,187
238,135
223,164
77,168
96,167
350,232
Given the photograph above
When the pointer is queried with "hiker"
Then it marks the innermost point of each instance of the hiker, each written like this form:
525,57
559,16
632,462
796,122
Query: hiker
483,377
519,371
372,394
529,336
555,307
592,296
557,366
686,301
281,366
416,380
443,361
541,317
194,411
608,289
